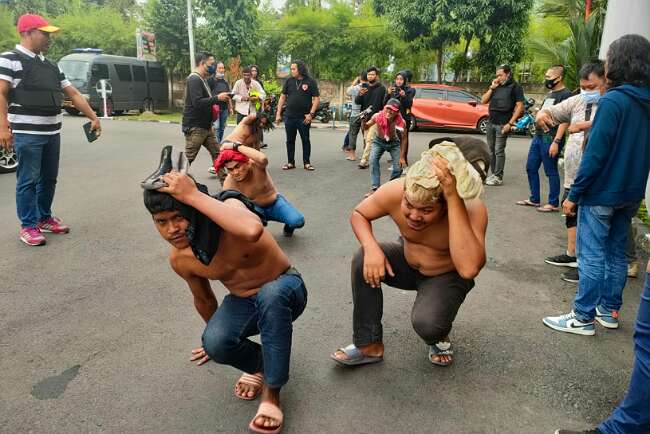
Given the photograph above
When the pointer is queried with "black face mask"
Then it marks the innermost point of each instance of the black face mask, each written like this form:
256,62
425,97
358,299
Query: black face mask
550,83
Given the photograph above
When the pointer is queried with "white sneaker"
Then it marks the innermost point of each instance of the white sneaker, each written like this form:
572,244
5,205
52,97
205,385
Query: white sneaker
568,323
493,180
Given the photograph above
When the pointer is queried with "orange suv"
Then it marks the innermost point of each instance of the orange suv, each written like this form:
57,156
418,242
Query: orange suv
442,106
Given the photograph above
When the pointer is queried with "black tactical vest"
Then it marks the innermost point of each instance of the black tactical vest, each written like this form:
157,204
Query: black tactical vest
39,91
502,98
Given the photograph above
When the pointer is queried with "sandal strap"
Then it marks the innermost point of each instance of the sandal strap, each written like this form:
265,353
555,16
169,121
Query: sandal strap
442,349
252,379
271,411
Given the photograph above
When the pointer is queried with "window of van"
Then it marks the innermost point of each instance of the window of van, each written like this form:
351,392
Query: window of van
156,75
138,73
123,72
99,71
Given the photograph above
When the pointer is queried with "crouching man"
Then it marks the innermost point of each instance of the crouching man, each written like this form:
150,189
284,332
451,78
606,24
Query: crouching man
440,250
220,240
247,174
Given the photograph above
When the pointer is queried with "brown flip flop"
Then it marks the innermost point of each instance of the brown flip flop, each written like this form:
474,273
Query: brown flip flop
527,202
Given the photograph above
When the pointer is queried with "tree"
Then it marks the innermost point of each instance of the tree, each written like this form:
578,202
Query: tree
8,33
168,20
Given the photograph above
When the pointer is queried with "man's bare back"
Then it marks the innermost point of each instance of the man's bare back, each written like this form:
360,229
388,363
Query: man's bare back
258,186
426,250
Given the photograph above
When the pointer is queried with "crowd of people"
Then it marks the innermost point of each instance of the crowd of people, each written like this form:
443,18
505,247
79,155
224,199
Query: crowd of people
441,221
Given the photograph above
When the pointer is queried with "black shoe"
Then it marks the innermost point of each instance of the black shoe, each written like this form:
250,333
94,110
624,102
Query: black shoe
571,276
288,231
562,260
170,159
264,145
566,431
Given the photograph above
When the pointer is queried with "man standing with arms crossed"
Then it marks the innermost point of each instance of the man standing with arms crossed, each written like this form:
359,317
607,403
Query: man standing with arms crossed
301,94
506,98
31,92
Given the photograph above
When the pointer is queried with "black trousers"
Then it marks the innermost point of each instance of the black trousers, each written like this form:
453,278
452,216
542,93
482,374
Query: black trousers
436,303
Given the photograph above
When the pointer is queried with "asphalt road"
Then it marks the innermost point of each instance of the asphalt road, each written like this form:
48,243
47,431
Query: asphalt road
96,329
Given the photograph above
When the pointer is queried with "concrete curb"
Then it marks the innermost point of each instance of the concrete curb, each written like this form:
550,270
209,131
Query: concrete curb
314,126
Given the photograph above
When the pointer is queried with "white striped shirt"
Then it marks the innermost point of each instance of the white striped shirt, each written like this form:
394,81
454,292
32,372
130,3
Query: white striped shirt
22,121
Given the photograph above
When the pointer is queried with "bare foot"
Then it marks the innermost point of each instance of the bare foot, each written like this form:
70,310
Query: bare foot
249,386
271,396
372,350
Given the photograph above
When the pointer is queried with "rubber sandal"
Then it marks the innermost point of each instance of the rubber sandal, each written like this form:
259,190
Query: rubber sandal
251,380
441,349
309,167
548,208
288,166
527,202
271,411
355,357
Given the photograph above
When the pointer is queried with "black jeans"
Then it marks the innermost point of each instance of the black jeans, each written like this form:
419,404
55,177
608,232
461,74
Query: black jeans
293,126
436,303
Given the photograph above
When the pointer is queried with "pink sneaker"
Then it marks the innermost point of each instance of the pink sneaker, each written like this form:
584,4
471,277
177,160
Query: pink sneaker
32,237
54,226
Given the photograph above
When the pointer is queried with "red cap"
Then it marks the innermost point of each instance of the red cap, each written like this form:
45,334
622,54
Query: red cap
29,22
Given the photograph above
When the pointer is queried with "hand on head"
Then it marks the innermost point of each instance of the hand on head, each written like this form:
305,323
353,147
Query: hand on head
179,185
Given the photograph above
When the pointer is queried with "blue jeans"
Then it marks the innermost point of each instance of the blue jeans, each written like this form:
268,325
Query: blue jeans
293,126
632,416
538,155
380,146
600,247
269,313
38,168
220,124
282,211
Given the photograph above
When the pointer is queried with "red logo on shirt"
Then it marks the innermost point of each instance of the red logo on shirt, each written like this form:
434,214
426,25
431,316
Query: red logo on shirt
305,87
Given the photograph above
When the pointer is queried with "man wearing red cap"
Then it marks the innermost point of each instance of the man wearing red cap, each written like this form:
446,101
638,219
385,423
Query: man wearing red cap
31,92
248,174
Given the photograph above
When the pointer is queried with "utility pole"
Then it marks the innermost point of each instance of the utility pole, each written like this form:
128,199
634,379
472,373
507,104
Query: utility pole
190,33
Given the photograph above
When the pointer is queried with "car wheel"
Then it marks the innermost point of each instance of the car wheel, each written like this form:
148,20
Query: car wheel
482,125
109,108
8,161
72,111
532,129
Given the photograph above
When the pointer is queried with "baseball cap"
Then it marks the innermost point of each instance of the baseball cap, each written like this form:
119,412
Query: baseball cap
393,104
29,22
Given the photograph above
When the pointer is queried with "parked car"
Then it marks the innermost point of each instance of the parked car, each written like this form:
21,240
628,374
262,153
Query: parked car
136,84
8,161
442,106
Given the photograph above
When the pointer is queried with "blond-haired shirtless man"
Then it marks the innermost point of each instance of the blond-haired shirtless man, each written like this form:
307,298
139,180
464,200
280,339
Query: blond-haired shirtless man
441,249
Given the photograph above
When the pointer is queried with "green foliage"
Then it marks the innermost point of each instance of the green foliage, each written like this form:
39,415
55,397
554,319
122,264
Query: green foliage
168,20
579,46
226,27
8,33
95,27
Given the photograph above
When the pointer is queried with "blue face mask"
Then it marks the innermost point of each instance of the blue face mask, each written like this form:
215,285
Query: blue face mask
590,96
212,69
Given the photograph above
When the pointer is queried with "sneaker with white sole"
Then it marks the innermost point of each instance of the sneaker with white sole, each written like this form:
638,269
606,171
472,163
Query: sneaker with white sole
568,323
494,181
32,237
571,276
607,318
53,225
633,269
562,260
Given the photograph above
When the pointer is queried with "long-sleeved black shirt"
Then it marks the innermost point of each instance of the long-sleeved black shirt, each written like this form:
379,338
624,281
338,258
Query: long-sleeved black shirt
374,97
197,112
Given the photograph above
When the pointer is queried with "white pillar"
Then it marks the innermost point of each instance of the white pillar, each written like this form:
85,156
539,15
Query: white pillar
624,17
190,33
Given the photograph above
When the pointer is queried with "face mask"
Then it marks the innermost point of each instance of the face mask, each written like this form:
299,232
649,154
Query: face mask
219,75
550,83
590,96
212,69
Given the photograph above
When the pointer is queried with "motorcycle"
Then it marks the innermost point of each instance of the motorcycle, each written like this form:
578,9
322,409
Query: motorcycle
526,123
323,112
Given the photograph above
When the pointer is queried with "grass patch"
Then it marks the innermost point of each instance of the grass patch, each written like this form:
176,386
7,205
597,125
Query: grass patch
148,116
643,214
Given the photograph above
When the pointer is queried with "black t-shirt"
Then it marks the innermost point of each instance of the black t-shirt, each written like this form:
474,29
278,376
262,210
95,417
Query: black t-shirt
551,99
218,86
197,112
374,97
503,100
299,94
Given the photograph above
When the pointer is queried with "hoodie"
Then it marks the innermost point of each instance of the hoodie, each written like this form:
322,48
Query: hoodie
615,163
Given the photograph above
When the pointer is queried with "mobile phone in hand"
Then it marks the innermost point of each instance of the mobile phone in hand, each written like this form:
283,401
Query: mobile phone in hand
90,135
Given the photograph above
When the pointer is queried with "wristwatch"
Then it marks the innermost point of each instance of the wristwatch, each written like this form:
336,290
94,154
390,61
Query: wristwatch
235,147
312,114
556,140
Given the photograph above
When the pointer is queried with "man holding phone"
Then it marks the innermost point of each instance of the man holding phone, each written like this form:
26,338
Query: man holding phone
506,98
31,93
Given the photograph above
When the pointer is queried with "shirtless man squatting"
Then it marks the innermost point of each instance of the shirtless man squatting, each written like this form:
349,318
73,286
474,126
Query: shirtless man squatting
440,251
265,295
